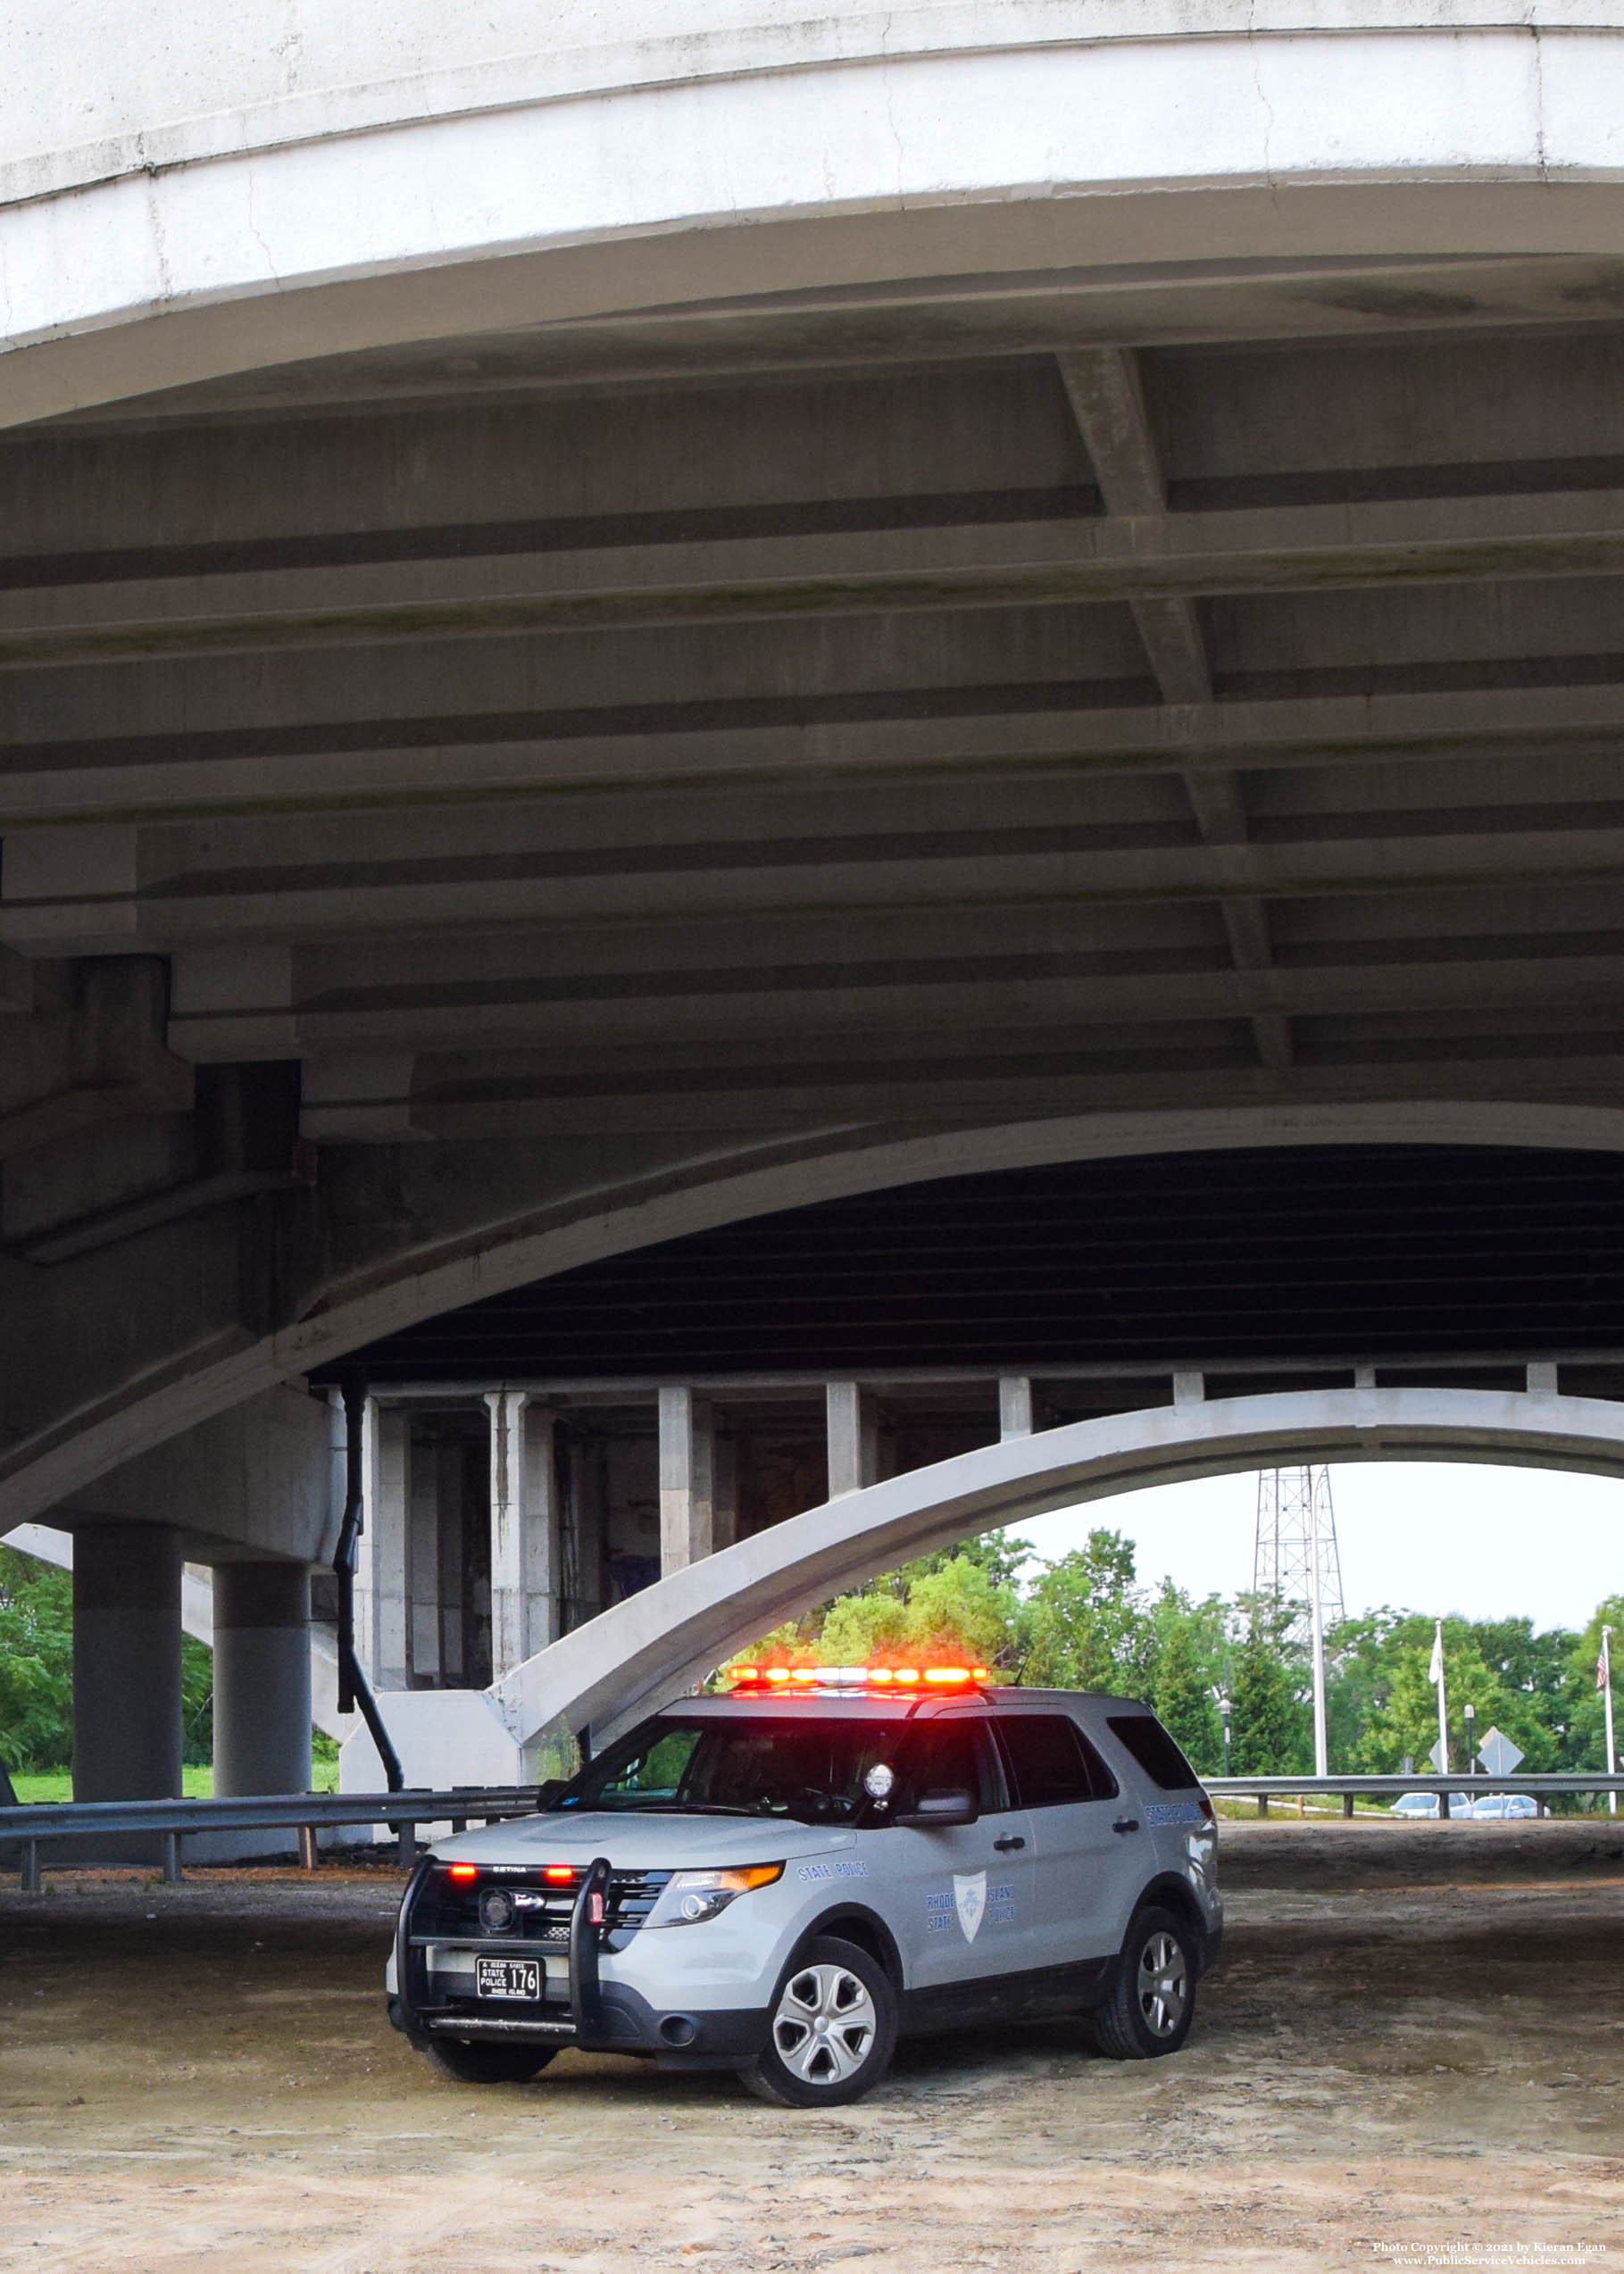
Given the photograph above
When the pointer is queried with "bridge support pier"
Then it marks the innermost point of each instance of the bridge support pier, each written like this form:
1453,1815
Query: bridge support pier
126,1729
262,1678
686,1480
524,1517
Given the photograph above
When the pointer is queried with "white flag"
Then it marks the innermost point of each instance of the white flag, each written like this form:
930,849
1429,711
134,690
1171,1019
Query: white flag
1435,1672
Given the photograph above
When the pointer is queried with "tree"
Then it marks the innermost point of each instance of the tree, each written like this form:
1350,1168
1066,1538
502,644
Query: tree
1087,1626
1188,1666
35,1664
36,1670
1586,1735
1271,1727
1404,1716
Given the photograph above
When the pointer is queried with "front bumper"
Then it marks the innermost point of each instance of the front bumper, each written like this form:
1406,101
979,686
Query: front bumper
578,2008
716,2037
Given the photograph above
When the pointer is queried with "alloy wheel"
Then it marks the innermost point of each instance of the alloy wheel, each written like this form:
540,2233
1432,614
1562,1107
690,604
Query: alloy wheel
824,2029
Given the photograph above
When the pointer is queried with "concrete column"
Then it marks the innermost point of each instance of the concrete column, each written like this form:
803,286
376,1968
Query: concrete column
381,1618
524,1559
262,1678
422,1566
684,1480
724,1490
1014,1406
581,1531
126,1662
451,1515
853,1438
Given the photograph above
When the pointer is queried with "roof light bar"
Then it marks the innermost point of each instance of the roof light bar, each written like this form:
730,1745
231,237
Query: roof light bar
855,1677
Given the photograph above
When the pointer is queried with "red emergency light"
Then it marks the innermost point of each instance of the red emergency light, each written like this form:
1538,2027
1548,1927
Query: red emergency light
855,1678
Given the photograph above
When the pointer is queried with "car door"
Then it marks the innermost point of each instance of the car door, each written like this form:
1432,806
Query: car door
961,1899
1092,1854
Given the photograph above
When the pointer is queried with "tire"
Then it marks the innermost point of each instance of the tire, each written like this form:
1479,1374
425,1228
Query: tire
468,2063
833,2030
1153,2001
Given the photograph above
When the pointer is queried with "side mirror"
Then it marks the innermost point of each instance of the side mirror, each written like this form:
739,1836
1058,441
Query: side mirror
939,1810
548,1792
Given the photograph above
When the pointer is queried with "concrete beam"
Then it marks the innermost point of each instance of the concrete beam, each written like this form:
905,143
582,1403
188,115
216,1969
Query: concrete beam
1156,564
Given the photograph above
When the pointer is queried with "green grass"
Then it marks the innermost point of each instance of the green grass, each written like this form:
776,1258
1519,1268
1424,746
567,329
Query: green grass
196,1783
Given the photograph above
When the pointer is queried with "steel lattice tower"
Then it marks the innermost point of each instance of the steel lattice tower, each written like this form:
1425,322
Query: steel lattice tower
1295,1525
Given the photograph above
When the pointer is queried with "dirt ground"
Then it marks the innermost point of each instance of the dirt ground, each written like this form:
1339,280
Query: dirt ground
1413,2056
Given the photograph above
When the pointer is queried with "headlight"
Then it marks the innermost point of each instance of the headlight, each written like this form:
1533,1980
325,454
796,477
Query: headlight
691,1897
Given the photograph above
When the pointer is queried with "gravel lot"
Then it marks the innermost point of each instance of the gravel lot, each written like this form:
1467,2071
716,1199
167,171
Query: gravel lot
1415,2046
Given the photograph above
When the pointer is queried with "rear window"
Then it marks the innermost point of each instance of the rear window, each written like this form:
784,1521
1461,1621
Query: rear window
1053,1761
1154,1749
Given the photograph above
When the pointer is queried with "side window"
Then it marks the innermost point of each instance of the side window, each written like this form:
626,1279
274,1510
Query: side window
952,1754
1144,1737
1053,1761
653,1772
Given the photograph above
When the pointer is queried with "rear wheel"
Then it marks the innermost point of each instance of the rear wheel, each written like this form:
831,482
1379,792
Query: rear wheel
833,2030
1151,2008
468,2063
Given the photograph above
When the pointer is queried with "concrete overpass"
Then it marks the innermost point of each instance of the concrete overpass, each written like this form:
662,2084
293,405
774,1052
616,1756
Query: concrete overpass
601,642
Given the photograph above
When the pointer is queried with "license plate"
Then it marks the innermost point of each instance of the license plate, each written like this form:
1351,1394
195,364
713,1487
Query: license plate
508,1978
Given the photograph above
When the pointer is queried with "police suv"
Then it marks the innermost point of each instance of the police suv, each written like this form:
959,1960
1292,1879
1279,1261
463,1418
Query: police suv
783,1878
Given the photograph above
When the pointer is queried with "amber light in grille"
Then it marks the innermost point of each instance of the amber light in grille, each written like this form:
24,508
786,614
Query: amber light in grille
558,1874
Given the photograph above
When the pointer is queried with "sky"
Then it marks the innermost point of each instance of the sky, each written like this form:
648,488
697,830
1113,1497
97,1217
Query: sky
1481,1542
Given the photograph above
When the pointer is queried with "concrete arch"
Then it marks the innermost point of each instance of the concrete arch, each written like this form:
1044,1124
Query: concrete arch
534,1239
194,206
646,1650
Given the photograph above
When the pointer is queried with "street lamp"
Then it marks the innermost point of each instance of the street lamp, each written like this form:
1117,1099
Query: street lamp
1472,1739
1223,1707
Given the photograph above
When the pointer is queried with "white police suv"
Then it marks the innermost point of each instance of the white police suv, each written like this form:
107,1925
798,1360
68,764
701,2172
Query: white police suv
783,1878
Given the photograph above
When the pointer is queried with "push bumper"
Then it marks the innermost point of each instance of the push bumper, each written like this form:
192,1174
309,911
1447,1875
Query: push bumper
597,2016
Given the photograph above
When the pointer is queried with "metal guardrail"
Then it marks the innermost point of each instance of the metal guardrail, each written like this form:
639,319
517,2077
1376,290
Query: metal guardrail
1545,1785
303,1813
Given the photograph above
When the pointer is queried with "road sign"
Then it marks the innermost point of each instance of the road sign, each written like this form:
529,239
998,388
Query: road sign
1498,1754
1436,1758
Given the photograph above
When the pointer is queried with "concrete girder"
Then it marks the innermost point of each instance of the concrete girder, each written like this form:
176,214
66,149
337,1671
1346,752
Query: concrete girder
503,758
1159,564
642,1654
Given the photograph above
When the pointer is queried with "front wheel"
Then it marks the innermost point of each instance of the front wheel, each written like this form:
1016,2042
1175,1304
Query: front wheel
1151,2008
470,2063
833,2030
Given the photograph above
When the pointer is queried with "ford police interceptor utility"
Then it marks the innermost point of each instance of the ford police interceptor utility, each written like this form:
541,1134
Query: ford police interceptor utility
783,1878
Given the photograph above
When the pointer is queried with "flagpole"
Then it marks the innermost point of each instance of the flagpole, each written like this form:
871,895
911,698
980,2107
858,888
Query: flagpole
1438,1676
1605,1671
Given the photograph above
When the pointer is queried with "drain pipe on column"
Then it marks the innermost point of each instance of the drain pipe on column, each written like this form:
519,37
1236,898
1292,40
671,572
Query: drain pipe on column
353,1690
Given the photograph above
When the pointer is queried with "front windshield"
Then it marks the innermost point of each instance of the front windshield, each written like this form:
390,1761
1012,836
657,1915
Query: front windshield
811,1771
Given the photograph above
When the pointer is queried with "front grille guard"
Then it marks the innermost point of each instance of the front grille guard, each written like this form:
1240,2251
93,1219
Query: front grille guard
588,1927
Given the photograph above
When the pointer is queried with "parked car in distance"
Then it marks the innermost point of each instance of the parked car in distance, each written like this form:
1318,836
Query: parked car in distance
1495,1806
1426,1804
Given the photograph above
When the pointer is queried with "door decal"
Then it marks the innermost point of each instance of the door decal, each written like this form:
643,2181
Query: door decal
970,1901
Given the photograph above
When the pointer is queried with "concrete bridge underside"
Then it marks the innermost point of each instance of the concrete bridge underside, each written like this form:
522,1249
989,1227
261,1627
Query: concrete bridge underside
606,642
646,1650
